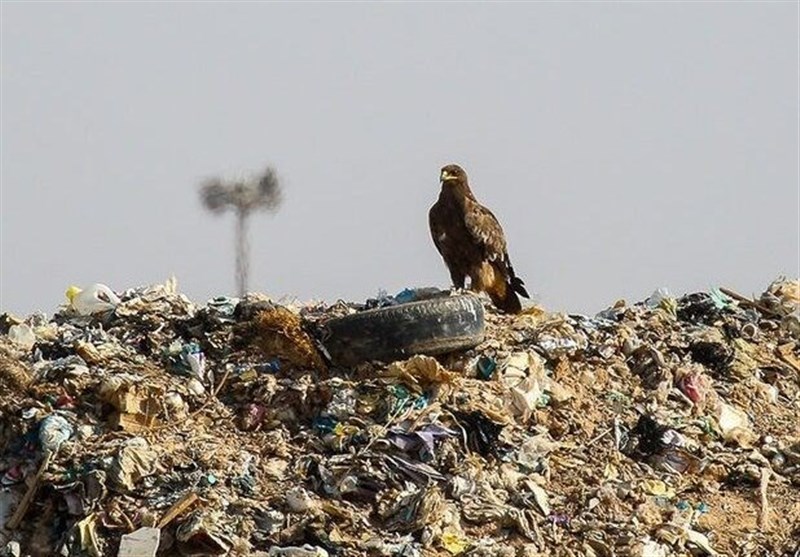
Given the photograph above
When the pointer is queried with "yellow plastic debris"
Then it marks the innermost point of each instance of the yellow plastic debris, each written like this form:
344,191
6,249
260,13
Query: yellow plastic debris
658,488
454,543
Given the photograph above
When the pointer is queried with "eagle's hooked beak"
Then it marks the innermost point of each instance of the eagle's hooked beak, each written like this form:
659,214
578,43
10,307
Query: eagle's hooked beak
445,175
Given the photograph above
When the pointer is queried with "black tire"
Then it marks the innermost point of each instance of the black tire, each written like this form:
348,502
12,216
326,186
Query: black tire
432,326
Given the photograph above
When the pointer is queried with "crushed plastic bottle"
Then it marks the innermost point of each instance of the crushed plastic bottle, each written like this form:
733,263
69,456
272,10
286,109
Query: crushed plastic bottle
94,299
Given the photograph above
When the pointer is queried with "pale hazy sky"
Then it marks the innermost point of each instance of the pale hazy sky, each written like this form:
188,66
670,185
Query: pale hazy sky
623,146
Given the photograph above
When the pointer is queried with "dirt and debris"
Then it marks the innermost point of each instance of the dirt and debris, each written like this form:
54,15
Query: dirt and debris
145,424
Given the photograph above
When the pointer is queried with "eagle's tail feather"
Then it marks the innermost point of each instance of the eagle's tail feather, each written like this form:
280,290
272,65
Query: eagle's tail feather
519,287
516,283
506,300
502,286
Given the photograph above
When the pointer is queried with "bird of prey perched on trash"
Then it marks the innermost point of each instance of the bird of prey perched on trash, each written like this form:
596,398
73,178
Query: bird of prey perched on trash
472,243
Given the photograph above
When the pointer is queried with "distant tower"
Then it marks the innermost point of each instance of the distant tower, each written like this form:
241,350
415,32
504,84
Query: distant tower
244,196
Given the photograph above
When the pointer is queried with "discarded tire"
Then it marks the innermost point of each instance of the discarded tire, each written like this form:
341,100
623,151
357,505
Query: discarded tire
431,326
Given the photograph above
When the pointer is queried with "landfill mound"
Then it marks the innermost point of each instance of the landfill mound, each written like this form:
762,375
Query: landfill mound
666,427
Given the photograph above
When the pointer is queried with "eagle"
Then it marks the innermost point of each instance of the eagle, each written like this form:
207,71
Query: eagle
471,242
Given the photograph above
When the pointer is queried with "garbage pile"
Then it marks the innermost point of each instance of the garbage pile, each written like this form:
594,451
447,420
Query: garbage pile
138,423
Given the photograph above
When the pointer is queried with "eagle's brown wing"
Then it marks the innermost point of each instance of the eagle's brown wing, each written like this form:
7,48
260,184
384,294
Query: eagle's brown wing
437,225
441,220
485,230
496,275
